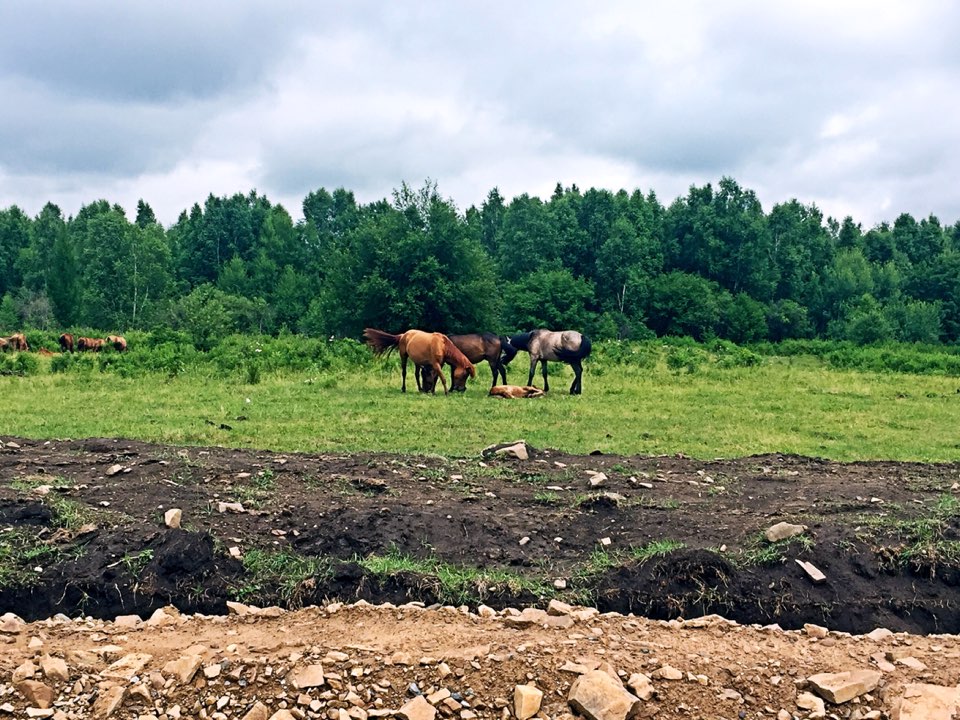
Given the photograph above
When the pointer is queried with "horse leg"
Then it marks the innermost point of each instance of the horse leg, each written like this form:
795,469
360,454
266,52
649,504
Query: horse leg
438,369
494,368
533,369
546,386
416,376
577,366
403,371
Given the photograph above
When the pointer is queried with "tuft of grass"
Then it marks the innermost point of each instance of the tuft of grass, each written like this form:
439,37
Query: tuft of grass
760,552
281,569
656,548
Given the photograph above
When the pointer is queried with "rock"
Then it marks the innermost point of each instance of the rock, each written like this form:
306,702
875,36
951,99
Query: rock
172,517
259,711
912,663
11,624
183,669
159,618
879,635
556,607
232,507
812,571
36,693
526,701
667,672
575,668
127,666
597,479
283,715
26,671
38,713
211,672
783,530
54,668
927,702
308,677
597,696
235,608
815,631
812,704
114,469
417,709
128,621
843,686
641,686
529,616
517,449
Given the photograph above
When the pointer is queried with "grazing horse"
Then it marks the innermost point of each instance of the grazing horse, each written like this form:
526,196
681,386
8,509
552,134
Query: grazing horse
567,346
496,350
17,341
66,342
4,345
424,348
516,391
118,341
90,344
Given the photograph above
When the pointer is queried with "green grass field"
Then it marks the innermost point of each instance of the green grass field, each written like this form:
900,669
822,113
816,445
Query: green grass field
794,405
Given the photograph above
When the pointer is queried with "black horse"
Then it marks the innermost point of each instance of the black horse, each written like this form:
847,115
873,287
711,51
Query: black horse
567,346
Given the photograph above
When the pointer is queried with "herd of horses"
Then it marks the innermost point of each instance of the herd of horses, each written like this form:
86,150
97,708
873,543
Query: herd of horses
430,351
68,343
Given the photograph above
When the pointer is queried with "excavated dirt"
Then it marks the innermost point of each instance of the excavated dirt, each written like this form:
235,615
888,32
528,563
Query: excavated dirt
92,511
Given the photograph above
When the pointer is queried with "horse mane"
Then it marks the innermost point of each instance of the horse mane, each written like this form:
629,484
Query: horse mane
452,354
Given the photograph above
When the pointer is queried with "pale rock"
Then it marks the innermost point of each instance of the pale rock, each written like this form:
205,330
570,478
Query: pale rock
7,708
912,663
211,672
183,669
37,693
575,668
230,507
598,696
113,470
235,608
641,686
927,702
417,709
11,624
563,622
54,668
438,697
556,607
783,530
26,671
667,672
812,704
879,635
814,573
844,686
486,611
308,677
597,479
283,714
35,643
784,715
172,517
127,666
815,631
128,621
160,618
526,701
529,616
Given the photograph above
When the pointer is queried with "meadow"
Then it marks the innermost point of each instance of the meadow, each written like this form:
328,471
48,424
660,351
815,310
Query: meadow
653,398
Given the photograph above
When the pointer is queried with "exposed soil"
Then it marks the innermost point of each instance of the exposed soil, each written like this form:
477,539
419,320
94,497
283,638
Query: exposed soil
885,534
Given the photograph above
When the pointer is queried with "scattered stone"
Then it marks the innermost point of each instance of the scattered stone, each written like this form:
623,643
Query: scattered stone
815,631
560,584
127,666
517,449
236,608
128,621
38,713
783,530
308,677
879,634
114,469
597,479
11,624
54,668
843,686
557,607
526,701
812,704
927,702
641,686
172,517
183,669
668,672
575,668
37,693
912,663
231,507
26,671
812,571
284,714
417,709
597,696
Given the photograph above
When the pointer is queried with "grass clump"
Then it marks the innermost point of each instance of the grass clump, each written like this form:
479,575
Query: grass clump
282,573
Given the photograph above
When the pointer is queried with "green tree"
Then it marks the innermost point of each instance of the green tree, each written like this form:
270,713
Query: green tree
683,304
552,299
14,238
64,282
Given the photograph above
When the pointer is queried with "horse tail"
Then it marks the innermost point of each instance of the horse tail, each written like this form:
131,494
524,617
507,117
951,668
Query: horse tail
379,341
507,351
585,346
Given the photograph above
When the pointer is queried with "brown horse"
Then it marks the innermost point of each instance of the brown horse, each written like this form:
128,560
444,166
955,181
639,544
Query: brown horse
424,348
17,341
4,345
516,391
118,341
496,350
90,344
66,342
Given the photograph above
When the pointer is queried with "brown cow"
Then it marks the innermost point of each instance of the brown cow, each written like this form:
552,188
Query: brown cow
516,391
90,344
17,341
118,341
66,342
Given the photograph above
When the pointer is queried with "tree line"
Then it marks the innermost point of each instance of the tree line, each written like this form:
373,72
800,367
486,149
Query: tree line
711,264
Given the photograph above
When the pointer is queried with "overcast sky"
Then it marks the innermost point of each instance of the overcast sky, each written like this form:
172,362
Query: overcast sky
854,106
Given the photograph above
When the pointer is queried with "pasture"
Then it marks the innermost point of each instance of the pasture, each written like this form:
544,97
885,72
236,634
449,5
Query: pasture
795,404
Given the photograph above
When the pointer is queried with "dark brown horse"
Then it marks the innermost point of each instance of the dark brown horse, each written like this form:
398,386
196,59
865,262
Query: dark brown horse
424,348
66,342
118,341
496,350
567,346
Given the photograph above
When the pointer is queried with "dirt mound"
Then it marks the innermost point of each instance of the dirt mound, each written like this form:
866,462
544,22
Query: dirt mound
81,532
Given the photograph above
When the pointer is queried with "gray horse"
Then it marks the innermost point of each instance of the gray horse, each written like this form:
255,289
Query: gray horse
567,346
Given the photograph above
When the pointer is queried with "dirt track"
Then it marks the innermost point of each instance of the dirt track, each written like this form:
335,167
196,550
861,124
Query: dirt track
863,522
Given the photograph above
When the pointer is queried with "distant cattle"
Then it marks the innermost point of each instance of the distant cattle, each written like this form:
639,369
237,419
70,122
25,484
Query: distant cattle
66,343
86,344
118,341
4,345
516,391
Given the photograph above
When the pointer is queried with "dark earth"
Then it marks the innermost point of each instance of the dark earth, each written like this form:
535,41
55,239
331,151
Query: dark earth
76,539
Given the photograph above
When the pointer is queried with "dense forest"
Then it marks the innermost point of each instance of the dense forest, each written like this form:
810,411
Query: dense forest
615,264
